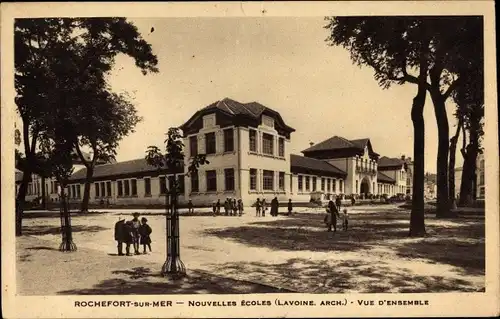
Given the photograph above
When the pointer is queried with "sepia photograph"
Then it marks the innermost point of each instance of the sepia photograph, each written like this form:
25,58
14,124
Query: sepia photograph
271,161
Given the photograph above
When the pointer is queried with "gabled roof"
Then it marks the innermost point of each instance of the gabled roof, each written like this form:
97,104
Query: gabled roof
121,168
338,143
231,107
382,178
300,163
385,161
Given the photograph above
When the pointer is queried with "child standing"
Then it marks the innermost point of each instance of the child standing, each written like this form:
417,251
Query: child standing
290,207
264,208
214,208
190,207
145,232
345,220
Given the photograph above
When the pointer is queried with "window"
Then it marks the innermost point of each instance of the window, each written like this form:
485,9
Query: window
147,186
229,140
481,192
268,180
322,184
307,183
103,189
253,179
108,187
229,179
328,185
193,145
73,191
96,186
119,185
127,187
52,187
253,140
134,187
356,187
267,144
78,191
291,183
281,181
481,164
163,185
341,185
180,179
481,179
300,183
211,181
210,143
314,184
195,187
281,147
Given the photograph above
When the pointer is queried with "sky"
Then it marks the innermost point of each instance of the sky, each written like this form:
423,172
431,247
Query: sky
281,62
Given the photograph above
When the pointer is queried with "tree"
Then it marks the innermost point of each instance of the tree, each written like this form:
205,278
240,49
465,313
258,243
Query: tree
393,47
62,63
173,161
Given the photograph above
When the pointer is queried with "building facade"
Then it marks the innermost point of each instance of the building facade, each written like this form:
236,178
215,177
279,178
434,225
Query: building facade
248,149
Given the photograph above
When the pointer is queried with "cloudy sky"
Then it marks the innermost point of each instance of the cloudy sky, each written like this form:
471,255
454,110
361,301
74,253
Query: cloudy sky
283,63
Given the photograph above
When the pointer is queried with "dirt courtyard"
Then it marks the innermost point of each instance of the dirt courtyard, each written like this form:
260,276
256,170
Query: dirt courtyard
246,254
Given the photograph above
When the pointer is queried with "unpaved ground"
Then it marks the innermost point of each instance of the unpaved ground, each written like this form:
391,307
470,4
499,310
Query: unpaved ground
296,253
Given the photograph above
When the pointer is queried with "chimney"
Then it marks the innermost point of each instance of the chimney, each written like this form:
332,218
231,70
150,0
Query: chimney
311,144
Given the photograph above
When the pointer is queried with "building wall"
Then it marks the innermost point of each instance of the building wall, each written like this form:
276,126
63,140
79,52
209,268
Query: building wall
399,175
480,174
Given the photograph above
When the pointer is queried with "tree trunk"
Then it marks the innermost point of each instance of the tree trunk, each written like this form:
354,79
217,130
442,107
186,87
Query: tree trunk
468,175
417,218
44,194
20,200
451,168
443,203
86,189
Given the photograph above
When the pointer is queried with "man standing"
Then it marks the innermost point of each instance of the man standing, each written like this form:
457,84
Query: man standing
338,202
119,234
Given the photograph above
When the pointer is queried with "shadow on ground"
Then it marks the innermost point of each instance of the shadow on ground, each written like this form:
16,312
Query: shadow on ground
143,281
51,230
343,277
458,242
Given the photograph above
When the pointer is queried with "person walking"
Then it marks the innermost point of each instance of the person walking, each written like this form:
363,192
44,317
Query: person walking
190,206
135,228
334,214
290,207
145,232
274,206
240,207
338,202
214,208
257,208
120,234
217,208
264,207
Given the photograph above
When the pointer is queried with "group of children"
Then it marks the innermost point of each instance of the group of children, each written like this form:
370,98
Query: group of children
133,232
332,213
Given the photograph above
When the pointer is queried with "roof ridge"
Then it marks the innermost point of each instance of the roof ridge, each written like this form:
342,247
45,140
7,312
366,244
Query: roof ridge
246,108
343,138
224,101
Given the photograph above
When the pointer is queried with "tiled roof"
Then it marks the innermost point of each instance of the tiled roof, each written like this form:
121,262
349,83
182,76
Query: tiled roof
360,143
381,177
121,168
314,165
251,109
387,162
335,142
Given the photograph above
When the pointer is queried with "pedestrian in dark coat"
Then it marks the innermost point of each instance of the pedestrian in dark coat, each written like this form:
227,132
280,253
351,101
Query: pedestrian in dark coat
338,202
290,206
120,235
257,208
274,206
240,207
235,207
332,209
218,207
145,233
128,236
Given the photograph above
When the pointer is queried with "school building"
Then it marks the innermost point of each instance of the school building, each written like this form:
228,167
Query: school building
248,147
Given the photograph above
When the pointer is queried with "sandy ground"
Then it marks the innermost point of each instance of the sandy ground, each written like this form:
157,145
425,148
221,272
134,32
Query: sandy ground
293,253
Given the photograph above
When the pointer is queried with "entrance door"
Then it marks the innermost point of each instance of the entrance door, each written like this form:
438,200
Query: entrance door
365,187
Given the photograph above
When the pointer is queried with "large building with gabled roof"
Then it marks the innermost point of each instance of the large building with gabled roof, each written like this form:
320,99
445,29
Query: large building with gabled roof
248,149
